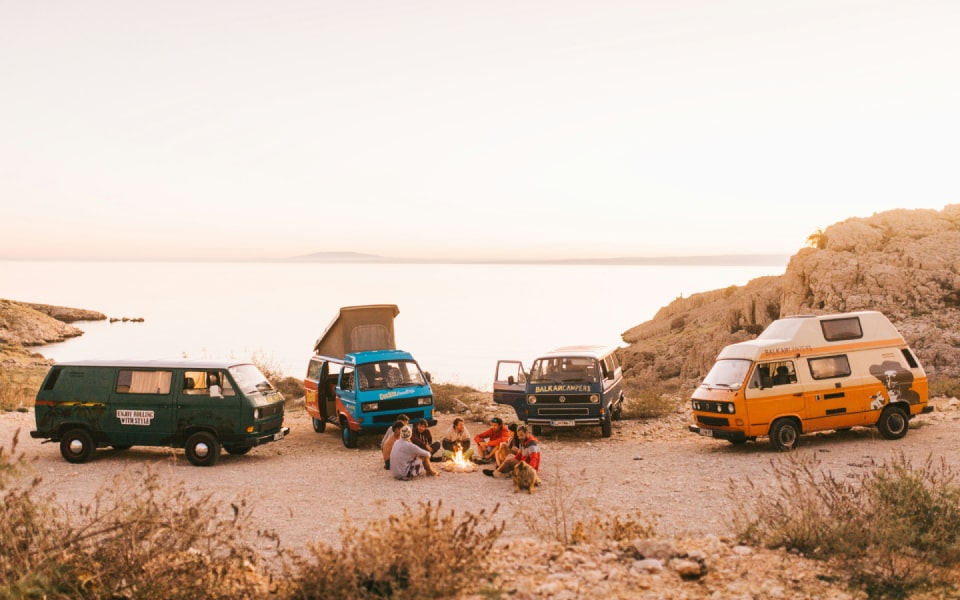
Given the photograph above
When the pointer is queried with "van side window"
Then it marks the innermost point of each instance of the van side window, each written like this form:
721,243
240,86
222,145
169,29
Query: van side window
313,370
829,366
783,373
52,380
910,359
761,377
346,379
144,382
847,328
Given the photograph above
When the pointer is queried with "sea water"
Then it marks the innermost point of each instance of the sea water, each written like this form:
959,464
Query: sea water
456,319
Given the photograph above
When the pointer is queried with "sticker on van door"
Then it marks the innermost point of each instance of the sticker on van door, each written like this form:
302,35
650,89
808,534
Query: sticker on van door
135,417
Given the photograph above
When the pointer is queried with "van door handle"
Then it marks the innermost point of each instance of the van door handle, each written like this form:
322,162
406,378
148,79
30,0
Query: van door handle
798,394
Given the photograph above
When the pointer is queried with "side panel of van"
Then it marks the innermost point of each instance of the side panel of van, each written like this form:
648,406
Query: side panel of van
141,409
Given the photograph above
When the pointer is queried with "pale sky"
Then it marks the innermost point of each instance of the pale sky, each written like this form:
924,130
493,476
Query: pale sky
240,129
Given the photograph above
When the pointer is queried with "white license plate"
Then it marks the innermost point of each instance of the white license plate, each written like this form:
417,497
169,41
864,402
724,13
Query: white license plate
278,436
563,423
706,432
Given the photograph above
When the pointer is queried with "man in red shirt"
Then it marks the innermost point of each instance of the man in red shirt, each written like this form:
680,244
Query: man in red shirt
487,441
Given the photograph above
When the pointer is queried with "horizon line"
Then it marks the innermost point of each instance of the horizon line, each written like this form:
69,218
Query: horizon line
359,258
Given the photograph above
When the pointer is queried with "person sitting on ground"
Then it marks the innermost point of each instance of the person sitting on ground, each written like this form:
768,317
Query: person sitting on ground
389,432
528,452
407,460
423,438
487,441
394,432
457,435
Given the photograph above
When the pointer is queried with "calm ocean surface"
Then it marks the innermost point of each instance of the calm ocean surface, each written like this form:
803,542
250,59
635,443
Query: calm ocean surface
457,320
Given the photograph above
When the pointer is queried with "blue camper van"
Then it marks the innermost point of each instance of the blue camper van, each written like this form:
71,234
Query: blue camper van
359,381
568,387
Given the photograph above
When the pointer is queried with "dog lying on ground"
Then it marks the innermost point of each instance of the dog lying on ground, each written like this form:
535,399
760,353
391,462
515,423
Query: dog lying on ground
524,478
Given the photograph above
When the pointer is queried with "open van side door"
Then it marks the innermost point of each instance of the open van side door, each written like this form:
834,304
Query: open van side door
510,386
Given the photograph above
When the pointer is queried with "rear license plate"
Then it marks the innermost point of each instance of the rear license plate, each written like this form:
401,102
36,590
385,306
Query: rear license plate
563,423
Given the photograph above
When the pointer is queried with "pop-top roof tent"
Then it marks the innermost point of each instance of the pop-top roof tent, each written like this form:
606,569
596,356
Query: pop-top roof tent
358,329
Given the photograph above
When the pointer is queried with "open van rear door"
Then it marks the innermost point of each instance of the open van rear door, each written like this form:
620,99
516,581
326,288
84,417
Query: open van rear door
509,386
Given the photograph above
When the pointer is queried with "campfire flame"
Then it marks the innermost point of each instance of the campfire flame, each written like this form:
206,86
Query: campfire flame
458,463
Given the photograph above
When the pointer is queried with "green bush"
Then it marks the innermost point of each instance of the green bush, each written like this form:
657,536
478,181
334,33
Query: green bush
947,387
420,553
892,530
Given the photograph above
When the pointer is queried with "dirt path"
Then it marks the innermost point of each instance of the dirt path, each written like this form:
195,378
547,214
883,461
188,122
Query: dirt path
303,486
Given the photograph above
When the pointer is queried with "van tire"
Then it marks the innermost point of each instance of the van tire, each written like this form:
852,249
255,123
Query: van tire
348,435
76,446
319,425
202,449
237,450
606,426
784,435
893,423
121,447
536,430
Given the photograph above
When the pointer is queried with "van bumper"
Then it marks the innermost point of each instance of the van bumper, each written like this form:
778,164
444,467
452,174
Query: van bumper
561,422
272,437
720,434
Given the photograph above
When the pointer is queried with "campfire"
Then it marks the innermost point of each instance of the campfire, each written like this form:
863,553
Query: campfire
458,464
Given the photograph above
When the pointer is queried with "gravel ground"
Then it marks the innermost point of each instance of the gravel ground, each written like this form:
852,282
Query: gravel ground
303,487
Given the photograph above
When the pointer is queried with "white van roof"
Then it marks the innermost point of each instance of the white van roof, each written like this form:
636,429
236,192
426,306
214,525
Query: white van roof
792,336
583,350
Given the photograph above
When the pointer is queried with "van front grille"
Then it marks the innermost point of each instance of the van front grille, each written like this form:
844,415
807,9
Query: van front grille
714,421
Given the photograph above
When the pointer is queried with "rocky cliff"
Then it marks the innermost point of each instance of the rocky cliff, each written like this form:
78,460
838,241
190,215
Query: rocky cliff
903,263
24,324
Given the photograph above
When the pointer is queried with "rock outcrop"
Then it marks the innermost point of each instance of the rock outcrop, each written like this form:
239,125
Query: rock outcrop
24,324
904,263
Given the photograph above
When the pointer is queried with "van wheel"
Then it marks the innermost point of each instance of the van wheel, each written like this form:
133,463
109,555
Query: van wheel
537,430
319,425
348,436
784,435
202,449
76,446
606,427
893,423
237,450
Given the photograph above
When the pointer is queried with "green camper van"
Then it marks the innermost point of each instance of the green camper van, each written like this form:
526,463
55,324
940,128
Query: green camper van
199,406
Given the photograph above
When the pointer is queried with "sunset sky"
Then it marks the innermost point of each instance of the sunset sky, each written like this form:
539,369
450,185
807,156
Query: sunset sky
240,129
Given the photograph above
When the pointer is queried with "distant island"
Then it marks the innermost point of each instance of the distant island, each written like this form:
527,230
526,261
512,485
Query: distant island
715,260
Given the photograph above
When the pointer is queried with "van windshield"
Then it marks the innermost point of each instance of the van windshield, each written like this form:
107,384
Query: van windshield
727,373
565,369
389,374
251,380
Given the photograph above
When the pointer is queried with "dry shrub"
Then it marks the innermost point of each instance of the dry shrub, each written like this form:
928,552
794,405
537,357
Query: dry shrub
141,539
561,515
892,529
420,553
18,387
648,400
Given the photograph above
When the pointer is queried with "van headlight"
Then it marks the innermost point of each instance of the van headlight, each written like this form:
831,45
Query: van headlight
425,401
256,414
594,398
531,399
370,406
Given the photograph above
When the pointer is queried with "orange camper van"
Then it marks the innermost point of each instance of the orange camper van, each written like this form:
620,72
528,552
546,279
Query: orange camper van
812,373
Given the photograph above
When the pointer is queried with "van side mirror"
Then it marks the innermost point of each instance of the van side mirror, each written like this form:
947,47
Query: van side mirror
511,380
428,376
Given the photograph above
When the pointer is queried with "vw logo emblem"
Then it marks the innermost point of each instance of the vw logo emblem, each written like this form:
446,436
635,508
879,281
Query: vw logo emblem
563,398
